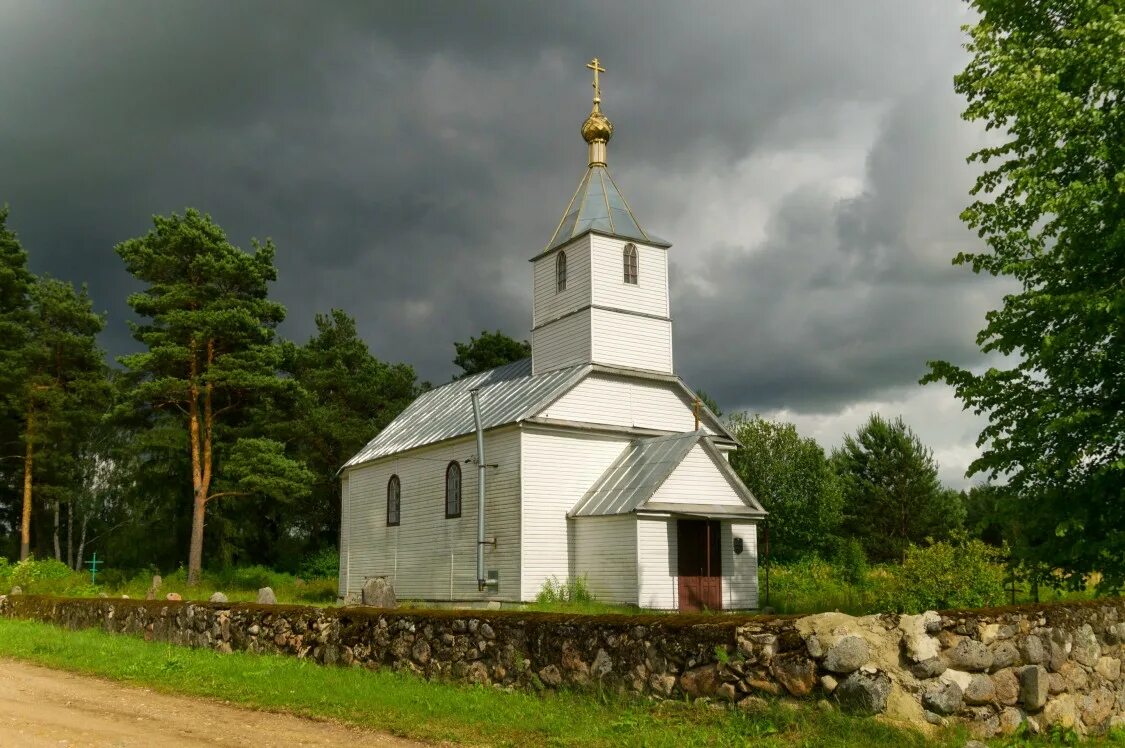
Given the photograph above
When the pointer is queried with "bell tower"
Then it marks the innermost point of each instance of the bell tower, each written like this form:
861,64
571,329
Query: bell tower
601,284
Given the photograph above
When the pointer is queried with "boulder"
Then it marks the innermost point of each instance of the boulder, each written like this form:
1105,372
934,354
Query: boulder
700,681
266,596
1061,711
960,677
1006,686
1033,687
1086,648
1033,651
1109,668
847,655
970,655
980,690
1075,677
794,671
863,694
945,699
16,590
661,683
1004,654
599,668
1011,719
551,676
926,669
828,683
219,597
920,646
1096,707
378,592
173,596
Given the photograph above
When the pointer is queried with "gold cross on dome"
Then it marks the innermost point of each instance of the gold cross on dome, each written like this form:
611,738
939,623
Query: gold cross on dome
595,65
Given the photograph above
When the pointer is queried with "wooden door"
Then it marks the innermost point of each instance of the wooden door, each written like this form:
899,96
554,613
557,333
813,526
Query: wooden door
699,564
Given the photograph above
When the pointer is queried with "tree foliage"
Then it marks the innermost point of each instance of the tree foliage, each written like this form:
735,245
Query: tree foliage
1049,205
347,397
892,495
792,478
210,357
490,350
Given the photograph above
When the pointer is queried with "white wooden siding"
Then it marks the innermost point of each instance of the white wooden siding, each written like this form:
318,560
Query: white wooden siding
345,550
697,480
624,401
656,563
548,303
657,582
740,572
649,295
419,554
564,342
606,555
558,468
620,339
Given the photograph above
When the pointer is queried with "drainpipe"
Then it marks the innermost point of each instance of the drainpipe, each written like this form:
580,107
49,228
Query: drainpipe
481,466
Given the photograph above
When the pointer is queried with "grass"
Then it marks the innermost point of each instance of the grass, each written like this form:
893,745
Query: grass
239,584
410,707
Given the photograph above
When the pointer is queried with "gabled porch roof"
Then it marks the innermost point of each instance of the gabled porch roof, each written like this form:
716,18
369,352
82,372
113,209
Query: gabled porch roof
635,476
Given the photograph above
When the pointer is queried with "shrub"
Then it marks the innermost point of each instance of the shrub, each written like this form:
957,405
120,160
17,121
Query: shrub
958,574
323,564
29,573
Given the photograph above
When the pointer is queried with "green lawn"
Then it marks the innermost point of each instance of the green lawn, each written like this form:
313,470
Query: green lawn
411,707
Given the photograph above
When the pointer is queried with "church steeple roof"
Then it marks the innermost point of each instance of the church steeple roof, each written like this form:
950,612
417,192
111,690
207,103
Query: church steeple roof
597,204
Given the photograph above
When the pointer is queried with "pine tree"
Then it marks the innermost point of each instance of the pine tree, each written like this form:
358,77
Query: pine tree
210,356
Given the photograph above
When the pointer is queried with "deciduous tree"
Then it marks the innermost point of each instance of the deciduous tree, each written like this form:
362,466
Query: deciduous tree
793,480
1049,77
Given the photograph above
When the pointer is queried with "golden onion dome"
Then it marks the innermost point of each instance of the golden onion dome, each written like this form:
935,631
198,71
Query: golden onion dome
597,127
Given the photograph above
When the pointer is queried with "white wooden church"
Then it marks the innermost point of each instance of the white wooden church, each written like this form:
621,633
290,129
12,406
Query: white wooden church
599,462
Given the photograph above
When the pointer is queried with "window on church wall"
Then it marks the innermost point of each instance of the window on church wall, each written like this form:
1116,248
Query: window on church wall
394,501
560,272
631,263
453,491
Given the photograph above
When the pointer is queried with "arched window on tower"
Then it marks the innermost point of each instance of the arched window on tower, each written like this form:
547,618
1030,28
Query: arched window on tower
394,501
629,256
453,490
560,272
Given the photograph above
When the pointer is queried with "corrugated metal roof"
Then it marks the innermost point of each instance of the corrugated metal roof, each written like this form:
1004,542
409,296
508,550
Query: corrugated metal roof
635,475
642,467
507,394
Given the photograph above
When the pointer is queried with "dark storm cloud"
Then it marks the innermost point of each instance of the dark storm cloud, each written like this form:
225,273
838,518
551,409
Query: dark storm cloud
408,158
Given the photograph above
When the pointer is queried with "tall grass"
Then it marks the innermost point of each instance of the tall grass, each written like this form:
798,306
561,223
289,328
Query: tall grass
50,577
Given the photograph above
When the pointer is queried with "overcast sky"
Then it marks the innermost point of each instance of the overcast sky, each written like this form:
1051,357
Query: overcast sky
806,160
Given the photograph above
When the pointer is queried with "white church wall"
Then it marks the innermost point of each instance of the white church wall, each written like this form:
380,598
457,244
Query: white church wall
606,555
621,401
697,480
648,295
656,563
558,468
657,552
345,550
627,340
549,303
740,571
564,342
422,551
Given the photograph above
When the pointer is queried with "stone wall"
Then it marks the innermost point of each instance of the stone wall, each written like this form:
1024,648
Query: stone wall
995,669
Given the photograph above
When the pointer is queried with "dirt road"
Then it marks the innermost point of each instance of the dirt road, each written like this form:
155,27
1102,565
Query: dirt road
42,707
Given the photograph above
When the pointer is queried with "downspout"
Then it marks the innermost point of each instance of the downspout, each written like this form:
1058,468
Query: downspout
481,466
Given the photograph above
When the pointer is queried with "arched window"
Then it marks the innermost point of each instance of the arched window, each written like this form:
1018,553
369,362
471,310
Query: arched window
560,272
453,491
394,501
630,260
